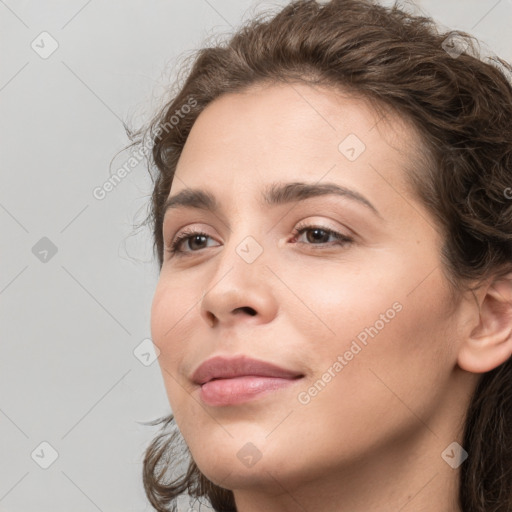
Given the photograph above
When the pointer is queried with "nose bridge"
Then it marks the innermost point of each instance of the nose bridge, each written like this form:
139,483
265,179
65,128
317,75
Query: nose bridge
244,254
248,237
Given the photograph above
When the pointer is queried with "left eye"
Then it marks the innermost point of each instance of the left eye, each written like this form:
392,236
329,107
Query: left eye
319,235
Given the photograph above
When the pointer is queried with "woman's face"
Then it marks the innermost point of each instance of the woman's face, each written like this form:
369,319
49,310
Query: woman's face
366,322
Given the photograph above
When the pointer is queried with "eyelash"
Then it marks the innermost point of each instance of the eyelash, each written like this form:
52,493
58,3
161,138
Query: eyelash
172,247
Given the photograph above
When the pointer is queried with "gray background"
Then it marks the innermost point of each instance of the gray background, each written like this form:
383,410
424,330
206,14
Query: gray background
70,321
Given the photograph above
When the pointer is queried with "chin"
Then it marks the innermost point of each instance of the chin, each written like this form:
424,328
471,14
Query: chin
234,475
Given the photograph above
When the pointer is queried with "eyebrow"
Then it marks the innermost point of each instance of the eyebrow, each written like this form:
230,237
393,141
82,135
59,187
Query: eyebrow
275,194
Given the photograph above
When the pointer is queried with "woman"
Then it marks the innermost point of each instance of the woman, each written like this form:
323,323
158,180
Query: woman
332,216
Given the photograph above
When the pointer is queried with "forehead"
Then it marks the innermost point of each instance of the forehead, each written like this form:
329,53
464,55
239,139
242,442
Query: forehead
295,132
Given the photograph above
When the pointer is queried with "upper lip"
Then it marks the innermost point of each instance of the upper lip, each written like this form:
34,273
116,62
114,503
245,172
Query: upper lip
220,367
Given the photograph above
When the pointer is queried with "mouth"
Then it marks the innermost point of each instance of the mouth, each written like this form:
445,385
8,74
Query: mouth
238,390
231,381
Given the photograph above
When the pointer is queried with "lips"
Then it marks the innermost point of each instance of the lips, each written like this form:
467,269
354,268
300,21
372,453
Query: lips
228,368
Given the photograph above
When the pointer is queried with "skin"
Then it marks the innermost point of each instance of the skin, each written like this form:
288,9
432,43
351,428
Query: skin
372,437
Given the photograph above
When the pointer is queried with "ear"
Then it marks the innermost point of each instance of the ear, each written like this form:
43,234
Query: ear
489,344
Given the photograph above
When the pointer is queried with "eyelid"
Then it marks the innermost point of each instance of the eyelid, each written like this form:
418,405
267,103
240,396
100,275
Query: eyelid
326,223
305,221
174,231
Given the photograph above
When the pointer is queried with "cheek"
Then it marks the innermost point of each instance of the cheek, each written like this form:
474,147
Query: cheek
400,359
378,349
172,309
331,307
162,318
168,324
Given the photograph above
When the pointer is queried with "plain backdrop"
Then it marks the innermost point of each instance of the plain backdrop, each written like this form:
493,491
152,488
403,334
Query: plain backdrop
77,377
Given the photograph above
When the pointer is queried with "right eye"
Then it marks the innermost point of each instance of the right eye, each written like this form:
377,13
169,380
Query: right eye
188,235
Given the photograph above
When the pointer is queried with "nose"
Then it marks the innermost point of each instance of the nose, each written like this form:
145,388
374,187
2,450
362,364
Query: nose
239,292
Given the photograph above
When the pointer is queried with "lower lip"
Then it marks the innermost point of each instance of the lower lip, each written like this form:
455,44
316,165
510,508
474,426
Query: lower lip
240,389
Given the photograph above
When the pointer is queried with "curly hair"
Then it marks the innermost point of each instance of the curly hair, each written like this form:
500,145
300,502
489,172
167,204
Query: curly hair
461,105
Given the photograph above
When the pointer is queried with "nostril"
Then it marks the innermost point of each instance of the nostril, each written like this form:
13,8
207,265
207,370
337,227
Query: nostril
247,309
211,318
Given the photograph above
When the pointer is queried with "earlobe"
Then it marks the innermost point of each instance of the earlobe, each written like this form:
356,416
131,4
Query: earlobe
489,344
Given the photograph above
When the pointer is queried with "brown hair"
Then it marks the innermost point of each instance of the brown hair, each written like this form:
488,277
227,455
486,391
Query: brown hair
461,107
